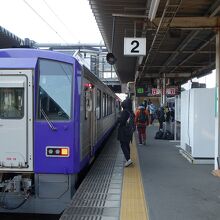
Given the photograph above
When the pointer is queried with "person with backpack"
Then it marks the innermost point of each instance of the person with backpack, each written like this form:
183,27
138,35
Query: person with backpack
125,129
141,121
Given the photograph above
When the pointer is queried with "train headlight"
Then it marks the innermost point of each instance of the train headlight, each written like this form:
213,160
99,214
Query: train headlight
57,151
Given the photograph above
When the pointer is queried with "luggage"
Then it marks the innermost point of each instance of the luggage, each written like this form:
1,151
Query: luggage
167,135
159,135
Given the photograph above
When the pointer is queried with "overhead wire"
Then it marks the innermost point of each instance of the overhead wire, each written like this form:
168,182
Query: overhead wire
44,20
55,14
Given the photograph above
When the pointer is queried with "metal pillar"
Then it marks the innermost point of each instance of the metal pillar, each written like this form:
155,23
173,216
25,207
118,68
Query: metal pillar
217,103
175,121
164,90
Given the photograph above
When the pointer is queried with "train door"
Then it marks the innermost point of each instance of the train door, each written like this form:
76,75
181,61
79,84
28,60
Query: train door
90,115
16,125
93,121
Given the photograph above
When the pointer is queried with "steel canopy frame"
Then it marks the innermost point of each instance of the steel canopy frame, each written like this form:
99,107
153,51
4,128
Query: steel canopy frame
199,43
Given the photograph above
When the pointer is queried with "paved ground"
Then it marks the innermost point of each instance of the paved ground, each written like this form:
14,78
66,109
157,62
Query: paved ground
174,188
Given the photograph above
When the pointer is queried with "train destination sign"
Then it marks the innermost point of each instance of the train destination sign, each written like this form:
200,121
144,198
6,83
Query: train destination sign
134,46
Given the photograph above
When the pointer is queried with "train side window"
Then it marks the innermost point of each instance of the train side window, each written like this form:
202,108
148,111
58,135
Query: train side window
11,103
55,90
88,98
111,105
98,104
109,109
104,105
88,102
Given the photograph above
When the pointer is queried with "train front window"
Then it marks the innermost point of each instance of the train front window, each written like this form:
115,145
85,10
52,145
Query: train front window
11,103
55,88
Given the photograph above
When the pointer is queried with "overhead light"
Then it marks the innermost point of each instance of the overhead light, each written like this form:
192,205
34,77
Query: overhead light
153,9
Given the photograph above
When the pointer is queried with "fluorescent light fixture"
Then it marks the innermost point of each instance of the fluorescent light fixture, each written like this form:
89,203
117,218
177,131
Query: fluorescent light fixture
153,9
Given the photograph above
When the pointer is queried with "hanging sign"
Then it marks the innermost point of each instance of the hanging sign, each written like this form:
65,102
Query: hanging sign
169,91
141,90
155,91
134,46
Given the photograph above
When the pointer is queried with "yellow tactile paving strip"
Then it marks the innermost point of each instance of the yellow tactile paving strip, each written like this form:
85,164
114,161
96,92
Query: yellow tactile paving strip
133,203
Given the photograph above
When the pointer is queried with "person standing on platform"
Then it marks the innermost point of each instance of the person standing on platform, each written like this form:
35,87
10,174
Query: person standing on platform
145,104
152,109
141,121
124,135
161,117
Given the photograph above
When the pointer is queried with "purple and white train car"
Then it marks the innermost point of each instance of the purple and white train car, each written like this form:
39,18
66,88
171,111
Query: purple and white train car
54,115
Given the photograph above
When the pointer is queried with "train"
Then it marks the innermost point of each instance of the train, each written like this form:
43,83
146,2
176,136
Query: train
54,116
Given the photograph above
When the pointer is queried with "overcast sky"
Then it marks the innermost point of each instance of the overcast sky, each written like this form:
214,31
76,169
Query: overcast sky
50,21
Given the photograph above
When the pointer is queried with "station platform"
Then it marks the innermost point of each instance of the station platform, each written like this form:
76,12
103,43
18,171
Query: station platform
160,185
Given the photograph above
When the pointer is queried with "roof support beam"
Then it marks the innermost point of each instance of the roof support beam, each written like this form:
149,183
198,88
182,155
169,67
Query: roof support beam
204,69
185,52
192,22
168,75
200,48
211,13
159,36
214,9
129,16
183,66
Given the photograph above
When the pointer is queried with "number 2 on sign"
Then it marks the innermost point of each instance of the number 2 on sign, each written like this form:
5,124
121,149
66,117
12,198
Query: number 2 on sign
136,43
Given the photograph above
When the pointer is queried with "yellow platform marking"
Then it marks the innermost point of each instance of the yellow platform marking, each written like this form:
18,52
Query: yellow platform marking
133,204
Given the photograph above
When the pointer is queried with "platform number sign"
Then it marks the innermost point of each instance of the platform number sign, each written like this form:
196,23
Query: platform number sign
134,46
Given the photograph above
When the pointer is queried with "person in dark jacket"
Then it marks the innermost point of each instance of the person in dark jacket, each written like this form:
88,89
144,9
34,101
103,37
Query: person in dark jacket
161,117
123,136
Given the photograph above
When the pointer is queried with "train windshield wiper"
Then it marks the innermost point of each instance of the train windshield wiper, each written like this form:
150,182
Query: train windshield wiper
48,120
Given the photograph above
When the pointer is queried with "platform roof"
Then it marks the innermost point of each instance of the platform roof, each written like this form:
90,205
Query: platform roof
8,40
180,36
